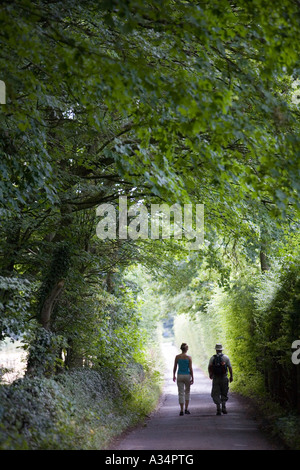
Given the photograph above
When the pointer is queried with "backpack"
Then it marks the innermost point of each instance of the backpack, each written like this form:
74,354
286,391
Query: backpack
218,365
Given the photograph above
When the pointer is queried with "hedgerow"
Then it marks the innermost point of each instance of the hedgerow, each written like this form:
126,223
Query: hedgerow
77,409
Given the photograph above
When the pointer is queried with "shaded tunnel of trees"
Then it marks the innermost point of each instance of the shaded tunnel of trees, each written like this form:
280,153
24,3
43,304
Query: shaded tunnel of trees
164,102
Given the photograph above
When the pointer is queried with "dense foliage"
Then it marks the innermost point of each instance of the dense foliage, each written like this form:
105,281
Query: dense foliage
159,101
81,409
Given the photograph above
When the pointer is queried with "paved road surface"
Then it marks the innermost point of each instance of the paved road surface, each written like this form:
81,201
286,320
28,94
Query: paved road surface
202,429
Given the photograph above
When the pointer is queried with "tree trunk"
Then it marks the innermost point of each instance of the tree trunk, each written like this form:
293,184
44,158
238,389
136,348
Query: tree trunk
264,265
47,306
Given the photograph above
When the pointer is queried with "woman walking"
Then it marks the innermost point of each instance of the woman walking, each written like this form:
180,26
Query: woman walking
185,377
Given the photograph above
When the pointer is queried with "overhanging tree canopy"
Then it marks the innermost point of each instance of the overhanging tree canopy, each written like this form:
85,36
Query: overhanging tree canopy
171,101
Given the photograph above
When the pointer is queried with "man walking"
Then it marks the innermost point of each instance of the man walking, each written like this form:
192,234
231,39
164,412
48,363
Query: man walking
218,367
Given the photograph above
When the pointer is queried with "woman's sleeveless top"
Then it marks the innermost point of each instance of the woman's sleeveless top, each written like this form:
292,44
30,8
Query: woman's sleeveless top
183,366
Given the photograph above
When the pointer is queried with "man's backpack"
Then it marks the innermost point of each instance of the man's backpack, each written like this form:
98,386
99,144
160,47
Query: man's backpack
219,365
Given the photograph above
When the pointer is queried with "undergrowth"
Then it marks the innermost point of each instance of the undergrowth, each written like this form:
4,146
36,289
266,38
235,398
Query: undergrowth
77,409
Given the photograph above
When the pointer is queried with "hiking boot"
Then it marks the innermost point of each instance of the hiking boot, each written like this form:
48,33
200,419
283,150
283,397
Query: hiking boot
218,413
224,411
187,412
181,413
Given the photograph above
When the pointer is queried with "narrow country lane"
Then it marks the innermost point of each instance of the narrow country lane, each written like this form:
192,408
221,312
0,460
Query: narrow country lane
202,429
